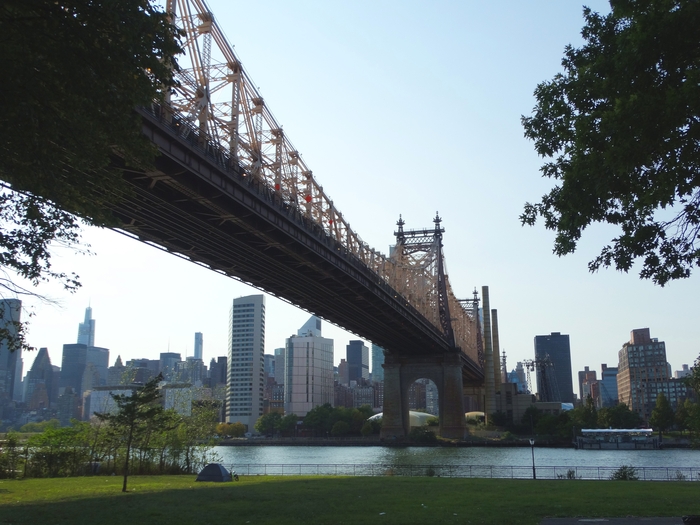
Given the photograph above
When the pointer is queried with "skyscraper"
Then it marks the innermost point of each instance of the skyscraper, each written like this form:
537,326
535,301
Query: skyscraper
41,373
73,364
308,374
99,358
246,348
358,360
169,363
377,362
10,362
198,345
554,383
86,329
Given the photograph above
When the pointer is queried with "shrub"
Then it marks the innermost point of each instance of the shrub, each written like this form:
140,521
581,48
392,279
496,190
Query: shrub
680,476
570,474
625,473
422,435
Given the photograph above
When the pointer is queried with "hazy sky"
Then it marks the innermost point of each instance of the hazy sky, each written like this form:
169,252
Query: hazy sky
398,107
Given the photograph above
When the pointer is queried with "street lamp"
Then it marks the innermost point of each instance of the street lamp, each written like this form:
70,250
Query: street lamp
532,448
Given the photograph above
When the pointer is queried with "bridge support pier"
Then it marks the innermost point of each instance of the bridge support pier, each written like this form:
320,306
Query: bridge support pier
401,372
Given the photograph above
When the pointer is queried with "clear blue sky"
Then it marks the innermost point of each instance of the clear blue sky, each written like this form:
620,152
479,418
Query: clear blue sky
398,107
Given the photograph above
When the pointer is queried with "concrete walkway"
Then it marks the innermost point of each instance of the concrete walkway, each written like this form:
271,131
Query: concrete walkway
612,521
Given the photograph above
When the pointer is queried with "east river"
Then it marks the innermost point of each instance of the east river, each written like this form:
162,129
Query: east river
463,461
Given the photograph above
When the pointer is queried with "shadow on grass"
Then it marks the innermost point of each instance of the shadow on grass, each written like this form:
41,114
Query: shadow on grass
177,500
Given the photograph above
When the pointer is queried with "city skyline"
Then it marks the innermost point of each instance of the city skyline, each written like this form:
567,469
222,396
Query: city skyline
385,78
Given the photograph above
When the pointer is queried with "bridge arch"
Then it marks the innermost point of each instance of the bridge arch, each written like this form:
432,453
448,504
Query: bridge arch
401,372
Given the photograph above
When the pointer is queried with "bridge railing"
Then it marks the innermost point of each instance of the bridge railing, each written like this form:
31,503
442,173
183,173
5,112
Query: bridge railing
562,472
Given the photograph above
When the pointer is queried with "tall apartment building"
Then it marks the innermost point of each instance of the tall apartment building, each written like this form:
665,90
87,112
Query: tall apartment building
554,383
308,373
643,373
246,362
10,362
358,361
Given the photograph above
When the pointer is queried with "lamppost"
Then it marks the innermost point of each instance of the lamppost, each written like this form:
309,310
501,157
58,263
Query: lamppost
532,448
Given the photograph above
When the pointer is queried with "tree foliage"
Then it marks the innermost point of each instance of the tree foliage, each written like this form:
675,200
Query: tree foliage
136,412
618,416
236,429
662,416
72,73
620,129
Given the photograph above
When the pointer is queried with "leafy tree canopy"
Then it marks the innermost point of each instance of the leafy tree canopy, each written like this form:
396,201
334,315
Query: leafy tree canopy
620,129
72,73
662,417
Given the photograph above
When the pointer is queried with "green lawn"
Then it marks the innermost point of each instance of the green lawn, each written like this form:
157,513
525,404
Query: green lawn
176,500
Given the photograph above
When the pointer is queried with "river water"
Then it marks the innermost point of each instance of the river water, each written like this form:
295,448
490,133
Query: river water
463,461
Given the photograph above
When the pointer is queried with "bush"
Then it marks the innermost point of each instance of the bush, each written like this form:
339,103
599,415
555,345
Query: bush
625,473
422,435
340,428
570,474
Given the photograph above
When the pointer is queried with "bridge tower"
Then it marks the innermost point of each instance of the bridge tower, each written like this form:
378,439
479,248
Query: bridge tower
422,280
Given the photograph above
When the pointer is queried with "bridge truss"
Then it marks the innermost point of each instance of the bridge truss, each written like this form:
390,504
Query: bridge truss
216,98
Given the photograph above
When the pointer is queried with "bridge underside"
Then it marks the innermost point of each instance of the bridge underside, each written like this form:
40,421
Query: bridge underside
194,206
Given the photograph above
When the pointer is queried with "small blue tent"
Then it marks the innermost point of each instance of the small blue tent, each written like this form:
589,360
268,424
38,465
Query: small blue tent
214,472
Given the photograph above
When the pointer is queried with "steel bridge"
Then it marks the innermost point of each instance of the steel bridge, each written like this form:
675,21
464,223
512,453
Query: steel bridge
230,192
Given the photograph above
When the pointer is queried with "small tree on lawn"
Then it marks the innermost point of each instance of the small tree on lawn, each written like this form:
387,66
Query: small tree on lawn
134,411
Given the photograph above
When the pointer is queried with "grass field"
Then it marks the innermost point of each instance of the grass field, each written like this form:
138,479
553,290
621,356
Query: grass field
176,500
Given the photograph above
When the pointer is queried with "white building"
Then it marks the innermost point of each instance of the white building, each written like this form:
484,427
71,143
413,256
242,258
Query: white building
100,399
308,369
246,362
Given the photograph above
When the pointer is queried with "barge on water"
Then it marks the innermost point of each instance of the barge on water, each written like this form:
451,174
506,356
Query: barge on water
617,439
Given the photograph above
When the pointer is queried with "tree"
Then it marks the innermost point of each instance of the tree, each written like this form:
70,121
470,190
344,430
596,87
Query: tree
620,129
693,380
75,70
530,418
268,424
340,428
287,424
40,426
684,413
662,417
135,411
618,416
236,429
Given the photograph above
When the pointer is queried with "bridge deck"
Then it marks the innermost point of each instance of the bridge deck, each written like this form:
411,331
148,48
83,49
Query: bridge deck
195,206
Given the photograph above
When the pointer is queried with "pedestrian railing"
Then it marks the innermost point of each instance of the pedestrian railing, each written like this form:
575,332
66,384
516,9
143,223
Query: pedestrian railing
465,471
